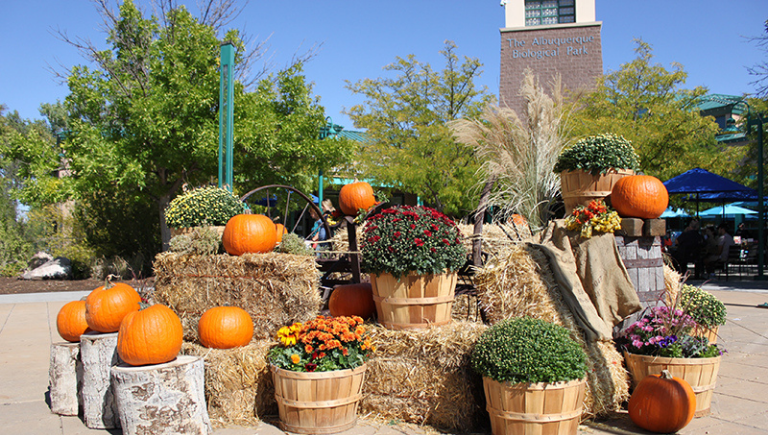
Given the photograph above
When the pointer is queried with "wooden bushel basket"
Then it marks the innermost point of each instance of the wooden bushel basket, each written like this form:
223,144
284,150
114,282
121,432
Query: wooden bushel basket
580,188
542,408
703,331
700,373
318,402
413,301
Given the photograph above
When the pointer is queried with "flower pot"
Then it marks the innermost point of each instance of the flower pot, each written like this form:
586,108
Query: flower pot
540,408
704,331
318,402
579,187
700,373
413,301
184,231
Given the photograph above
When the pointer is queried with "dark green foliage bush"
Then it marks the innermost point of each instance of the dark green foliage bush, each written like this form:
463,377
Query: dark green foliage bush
528,350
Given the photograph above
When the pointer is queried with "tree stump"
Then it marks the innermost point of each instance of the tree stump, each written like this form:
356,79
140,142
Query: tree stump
98,352
65,378
162,399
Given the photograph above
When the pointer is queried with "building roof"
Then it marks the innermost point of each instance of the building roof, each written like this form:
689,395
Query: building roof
719,104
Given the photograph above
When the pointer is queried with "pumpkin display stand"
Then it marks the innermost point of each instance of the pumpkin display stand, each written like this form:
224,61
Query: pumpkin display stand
161,399
700,373
580,188
65,377
541,408
318,402
413,301
98,352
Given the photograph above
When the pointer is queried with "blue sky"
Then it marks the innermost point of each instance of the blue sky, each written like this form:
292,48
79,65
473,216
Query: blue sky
708,37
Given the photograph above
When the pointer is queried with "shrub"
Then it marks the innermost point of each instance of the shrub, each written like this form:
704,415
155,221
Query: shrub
598,154
528,350
206,206
703,307
293,244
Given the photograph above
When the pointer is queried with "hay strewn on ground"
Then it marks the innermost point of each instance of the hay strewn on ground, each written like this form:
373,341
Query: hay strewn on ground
424,377
517,282
238,383
275,289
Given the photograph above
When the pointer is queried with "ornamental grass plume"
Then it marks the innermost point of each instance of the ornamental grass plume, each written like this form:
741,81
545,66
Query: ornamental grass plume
519,153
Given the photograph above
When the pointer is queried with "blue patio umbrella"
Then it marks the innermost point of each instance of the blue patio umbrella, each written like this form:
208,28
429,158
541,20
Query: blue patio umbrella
727,211
698,182
670,213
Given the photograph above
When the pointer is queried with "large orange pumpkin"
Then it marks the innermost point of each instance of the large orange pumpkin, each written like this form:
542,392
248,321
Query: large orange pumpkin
225,328
254,233
71,322
106,306
151,336
280,231
662,403
354,196
352,300
639,196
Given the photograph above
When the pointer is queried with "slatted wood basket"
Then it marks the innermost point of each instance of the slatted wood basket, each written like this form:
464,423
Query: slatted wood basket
700,373
413,301
541,408
579,187
318,402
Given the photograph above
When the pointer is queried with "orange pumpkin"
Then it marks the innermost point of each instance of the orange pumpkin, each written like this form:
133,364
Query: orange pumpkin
71,322
253,233
150,336
106,306
354,196
280,231
519,220
639,196
662,403
352,300
225,328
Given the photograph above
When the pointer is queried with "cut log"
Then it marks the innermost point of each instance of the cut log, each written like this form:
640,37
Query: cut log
162,399
98,353
65,377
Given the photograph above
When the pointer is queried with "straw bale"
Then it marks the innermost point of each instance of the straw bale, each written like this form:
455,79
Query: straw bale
238,383
275,289
425,377
672,282
518,282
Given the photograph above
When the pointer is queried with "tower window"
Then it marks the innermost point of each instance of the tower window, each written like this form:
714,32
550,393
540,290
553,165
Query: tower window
540,12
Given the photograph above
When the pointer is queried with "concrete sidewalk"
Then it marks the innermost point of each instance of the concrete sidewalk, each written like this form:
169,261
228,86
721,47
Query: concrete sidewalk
739,406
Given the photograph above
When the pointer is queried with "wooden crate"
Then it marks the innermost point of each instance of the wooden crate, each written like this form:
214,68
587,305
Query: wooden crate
645,265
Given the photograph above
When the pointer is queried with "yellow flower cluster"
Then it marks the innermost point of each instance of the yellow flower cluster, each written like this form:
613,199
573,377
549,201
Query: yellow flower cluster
596,217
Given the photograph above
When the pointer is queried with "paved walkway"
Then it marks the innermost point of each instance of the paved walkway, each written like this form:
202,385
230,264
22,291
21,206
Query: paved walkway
739,406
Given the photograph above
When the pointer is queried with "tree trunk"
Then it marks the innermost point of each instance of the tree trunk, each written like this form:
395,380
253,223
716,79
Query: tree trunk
98,353
65,378
162,399
165,232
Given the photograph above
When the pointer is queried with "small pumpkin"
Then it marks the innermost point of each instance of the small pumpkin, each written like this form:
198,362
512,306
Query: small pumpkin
249,233
106,306
352,300
519,220
225,328
662,403
280,231
70,322
356,196
639,196
152,335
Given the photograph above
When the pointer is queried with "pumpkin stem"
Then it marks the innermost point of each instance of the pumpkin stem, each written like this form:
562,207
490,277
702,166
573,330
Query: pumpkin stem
108,281
665,374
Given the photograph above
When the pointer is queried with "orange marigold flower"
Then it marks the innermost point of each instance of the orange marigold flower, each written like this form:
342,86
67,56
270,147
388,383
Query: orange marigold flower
308,348
345,351
295,358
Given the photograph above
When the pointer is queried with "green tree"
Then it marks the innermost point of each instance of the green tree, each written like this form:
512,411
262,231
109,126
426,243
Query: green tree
644,102
760,70
410,146
144,120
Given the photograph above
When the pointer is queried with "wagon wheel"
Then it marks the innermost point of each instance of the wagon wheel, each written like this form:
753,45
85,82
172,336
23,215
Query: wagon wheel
297,196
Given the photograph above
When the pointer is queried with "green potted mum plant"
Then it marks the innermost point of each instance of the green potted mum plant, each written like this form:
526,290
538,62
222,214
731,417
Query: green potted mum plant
203,207
706,310
318,370
589,168
413,255
527,363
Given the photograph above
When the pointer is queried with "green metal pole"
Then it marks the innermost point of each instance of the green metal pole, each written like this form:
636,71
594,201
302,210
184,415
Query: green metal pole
226,114
320,192
760,209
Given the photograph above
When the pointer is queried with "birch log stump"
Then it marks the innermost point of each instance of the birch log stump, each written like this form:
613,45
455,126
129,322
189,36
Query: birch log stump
65,377
162,399
99,353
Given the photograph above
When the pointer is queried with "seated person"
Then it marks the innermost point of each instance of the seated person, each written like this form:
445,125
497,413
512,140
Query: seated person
724,243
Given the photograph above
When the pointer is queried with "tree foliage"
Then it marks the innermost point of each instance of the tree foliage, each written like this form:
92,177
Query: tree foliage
760,70
644,102
410,146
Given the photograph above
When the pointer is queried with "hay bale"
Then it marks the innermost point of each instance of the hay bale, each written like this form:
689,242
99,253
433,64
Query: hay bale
518,282
275,289
238,383
672,282
425,377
